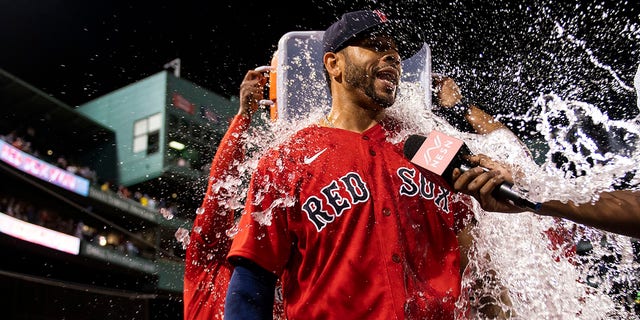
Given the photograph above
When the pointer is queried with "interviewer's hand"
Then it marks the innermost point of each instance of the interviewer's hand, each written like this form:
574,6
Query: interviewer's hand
480,183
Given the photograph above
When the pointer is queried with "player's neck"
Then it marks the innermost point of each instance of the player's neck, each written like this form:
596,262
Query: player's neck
351,118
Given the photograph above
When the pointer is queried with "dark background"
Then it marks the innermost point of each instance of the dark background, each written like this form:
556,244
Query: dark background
504,54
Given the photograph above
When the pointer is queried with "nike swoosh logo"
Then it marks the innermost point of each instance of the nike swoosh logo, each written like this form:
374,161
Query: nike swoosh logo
308,160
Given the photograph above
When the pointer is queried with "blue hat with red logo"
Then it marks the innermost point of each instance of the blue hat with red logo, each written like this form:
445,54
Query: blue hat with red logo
353,24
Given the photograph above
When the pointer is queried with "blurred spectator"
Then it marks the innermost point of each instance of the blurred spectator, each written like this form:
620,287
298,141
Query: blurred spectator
62,162
105,186
144,199
124,192
88,173
10,137
131,248
72,169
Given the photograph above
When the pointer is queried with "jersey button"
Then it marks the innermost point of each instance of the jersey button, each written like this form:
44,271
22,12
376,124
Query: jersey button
386,211
395,258
365,137
371,152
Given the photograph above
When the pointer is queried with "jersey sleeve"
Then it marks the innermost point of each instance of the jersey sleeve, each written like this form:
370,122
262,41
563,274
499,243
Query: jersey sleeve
262,235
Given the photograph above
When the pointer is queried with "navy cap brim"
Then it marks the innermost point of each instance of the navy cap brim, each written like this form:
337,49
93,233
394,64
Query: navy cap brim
409,39
356,24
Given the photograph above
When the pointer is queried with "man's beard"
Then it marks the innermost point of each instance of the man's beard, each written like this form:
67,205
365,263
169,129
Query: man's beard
357,78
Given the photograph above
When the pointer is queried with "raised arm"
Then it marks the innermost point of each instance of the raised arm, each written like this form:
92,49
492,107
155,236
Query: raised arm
462,115
207,271
216,219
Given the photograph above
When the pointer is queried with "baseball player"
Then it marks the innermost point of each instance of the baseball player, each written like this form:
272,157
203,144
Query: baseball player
207,272
351,228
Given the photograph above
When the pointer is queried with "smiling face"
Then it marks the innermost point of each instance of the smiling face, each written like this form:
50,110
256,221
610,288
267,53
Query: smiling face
372,68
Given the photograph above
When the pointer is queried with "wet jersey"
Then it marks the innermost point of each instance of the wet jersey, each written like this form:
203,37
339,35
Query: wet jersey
353,228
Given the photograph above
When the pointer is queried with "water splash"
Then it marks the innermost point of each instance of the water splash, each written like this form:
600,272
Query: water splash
592,57
636,84
519,249
182,235
166,213
598,154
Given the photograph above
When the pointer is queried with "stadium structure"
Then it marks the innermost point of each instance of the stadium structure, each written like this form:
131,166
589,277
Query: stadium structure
94,197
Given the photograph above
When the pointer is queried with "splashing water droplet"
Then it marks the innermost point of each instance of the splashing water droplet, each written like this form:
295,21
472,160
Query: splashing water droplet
166,213
182,235
232,232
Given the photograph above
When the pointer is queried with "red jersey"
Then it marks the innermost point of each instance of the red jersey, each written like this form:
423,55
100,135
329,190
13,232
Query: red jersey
207,272
561,241
352,228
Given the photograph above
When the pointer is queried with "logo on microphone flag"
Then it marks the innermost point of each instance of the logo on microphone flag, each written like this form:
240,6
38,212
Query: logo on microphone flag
437,152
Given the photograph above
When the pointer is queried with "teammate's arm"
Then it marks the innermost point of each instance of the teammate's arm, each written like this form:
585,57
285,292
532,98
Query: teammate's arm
465,117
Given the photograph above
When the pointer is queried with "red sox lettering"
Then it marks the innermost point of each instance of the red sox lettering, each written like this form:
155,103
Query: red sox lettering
320,215
427,189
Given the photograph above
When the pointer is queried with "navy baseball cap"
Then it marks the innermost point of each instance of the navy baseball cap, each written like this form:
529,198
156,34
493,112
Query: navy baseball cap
353,24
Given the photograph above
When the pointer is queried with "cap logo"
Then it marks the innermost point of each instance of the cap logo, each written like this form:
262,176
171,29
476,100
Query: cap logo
367,22
381,15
